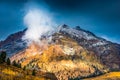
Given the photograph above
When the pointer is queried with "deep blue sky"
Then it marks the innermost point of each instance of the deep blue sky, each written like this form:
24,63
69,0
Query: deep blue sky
99,16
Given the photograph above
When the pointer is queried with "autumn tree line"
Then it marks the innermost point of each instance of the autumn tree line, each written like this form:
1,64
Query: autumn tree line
6,60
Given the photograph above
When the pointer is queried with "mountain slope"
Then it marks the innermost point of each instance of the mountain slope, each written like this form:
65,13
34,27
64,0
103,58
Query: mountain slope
72,53
9,72
65,58
13,43
106,51
108,76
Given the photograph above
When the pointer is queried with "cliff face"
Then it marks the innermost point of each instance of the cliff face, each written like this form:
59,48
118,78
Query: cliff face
71,53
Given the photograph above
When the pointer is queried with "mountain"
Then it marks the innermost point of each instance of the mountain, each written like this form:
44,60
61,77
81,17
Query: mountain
106,51
69,53
13,43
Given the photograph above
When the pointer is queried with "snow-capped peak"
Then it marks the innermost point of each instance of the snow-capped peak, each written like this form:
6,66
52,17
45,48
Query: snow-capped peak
78,32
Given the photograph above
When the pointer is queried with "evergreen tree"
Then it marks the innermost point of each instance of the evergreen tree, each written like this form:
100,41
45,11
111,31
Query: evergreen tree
8,61
19,65
14,63
24,68
2,57
1,61
33,72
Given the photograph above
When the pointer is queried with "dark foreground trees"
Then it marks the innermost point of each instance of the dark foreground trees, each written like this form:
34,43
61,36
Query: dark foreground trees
16,64
8,61
2,57
33,72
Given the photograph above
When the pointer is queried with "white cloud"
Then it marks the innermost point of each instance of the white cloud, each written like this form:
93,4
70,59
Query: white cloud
38,23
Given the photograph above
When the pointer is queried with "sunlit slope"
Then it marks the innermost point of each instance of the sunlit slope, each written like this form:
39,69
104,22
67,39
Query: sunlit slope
8,72
64,57
107,76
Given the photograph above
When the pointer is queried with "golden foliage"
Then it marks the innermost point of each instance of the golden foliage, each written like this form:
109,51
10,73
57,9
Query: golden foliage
52,59
9,71
107,76
13,73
